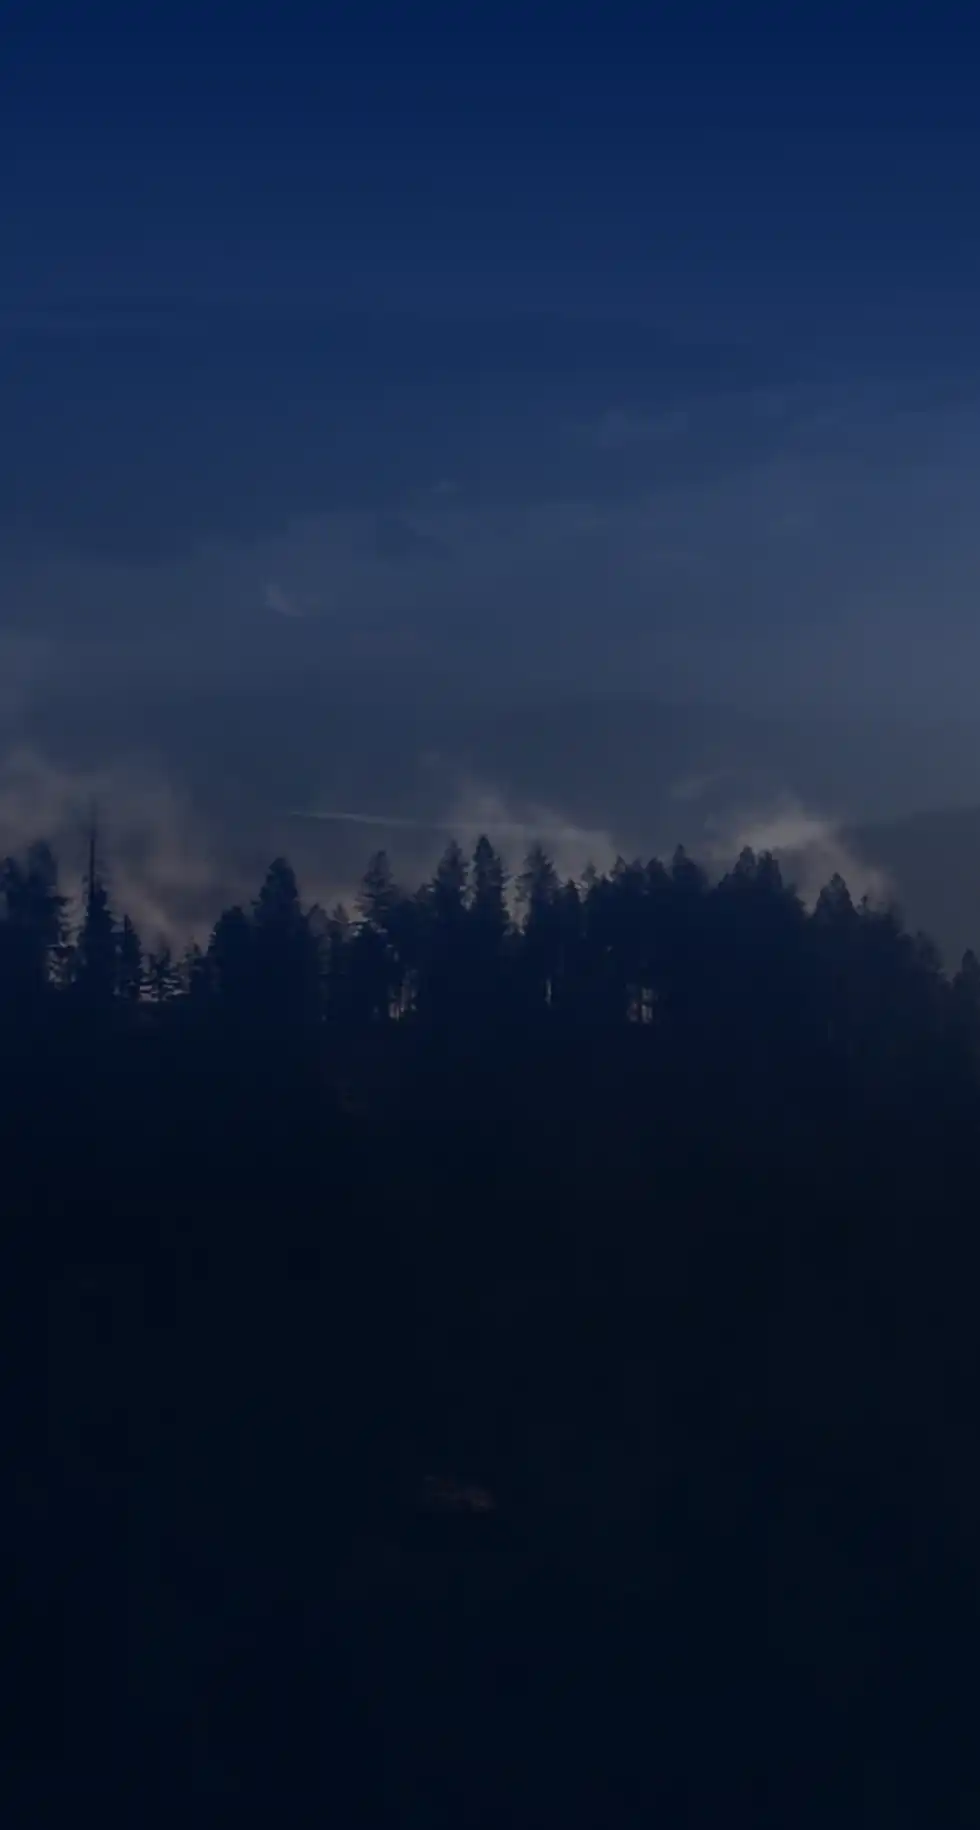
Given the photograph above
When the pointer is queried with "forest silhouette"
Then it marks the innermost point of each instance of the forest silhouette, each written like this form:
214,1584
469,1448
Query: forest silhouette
643,1208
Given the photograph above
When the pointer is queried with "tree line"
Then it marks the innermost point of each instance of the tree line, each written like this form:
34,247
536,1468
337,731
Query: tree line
650,944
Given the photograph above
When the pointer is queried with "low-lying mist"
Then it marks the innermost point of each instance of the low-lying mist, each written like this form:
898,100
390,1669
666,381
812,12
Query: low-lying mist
174,858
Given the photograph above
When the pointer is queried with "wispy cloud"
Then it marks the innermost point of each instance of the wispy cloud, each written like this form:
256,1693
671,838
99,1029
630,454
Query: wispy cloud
162,868
813,847
695,787
478,807
618,429
400,538
284,603
472,809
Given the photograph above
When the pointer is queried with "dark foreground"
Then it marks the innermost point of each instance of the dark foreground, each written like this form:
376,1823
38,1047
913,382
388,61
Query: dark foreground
730,1567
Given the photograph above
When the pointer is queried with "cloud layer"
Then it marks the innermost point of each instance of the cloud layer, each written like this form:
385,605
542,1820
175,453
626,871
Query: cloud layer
576,499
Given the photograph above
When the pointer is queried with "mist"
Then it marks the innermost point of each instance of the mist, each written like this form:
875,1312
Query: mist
202,776
173,862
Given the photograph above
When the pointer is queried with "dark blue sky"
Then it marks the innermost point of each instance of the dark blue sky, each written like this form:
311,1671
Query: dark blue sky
619,345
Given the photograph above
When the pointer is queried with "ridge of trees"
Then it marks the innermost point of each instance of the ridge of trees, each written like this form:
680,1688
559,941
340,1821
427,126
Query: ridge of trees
649,944
642,1204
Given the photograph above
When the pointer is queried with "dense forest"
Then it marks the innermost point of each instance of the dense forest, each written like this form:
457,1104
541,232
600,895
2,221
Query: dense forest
503,1353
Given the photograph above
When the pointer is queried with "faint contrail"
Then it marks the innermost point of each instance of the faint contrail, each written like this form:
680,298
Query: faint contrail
500,829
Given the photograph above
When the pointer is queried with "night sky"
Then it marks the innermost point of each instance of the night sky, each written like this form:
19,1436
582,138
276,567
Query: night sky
487,350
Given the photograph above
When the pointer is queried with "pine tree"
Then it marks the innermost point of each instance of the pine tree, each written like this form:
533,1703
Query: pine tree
448,891
95,959
195,976
442,913
162,975
538,883
965,1009
377,961
287,981
488,892
277,908
231,959
538,891
487,924
379,894
32,926
129,964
